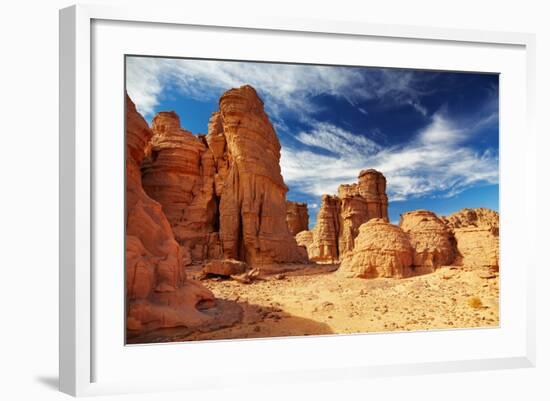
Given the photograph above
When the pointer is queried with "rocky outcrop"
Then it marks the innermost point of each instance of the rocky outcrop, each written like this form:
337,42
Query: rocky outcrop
359,203
340,216
179,174
431,239
476,232
324,245
252,209
158,293
223,193
381,250
297,217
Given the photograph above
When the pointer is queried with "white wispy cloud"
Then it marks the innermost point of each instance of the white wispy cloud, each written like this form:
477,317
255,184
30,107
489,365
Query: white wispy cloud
283,87
337,140
436,160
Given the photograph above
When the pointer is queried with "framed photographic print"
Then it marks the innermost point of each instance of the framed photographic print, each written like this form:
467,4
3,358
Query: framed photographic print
345,196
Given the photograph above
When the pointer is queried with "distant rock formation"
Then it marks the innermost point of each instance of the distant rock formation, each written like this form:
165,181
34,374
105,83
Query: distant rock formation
432,241
358,204
477,236
223,193
305,240
324,245
297,217
158,293
381,250
340,216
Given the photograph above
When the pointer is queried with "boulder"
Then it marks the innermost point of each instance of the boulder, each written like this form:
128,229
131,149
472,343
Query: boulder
224,267
431,239
381,250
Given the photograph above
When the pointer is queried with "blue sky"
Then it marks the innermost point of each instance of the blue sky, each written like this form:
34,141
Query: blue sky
434,135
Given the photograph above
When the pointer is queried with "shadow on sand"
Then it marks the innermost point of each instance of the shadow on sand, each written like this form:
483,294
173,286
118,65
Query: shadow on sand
242,320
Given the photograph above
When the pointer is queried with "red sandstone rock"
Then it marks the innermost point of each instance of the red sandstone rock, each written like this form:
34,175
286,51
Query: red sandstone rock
223,193
324,246
158,293
179,174
359,203
381,250
431,239
341,216
252,191
224,267
297,217
477,237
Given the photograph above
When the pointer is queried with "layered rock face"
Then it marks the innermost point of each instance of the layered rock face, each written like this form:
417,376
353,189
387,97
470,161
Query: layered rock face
179,174
158,293
253,224
381,250
340,216
431,239
223,193
297,217
324,244
477,236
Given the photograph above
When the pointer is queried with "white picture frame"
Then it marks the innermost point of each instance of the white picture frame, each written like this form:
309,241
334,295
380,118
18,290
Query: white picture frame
83,352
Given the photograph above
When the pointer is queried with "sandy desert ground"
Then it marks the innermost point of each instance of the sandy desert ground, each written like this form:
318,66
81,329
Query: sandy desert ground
316,300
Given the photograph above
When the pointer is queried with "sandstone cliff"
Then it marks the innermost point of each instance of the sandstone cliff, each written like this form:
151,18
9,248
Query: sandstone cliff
223,193
179,174
477,236
297,218
252,208
381,250
432,241
158,293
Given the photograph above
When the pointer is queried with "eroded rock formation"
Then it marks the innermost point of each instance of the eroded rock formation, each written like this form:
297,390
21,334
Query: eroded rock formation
179,174
431,239
381,250
477,236
359,203
223,193
324,245
340,216
158,293
252,209
297,217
